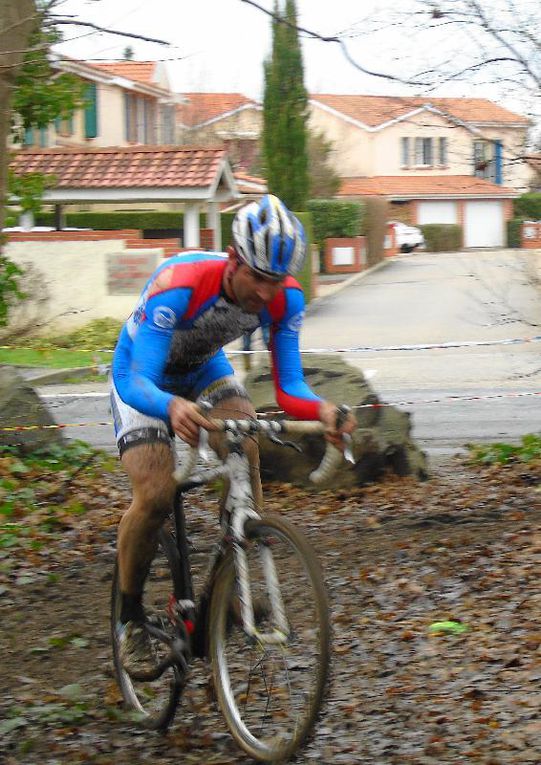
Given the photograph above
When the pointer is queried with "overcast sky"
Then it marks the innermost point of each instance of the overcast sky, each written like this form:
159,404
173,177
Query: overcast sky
220,45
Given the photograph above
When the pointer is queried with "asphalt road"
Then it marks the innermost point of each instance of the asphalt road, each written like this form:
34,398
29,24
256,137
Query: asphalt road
422,299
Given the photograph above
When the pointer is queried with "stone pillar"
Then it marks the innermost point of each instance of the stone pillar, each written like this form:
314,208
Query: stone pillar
213,222
59,217
191,225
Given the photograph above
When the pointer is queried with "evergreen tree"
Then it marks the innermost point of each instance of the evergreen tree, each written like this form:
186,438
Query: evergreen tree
285,108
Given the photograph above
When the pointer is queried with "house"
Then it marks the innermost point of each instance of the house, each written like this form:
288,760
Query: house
128,103
228,119
443,160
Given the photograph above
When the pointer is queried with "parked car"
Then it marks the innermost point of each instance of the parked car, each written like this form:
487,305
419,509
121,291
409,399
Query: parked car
407,238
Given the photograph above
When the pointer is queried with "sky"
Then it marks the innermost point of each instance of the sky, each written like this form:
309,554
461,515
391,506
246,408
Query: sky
220,45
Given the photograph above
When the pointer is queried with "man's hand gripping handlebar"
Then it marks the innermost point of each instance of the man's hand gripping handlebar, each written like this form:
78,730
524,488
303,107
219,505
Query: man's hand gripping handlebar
335,434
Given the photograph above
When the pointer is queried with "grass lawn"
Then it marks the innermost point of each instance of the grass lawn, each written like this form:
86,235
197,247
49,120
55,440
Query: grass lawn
55,358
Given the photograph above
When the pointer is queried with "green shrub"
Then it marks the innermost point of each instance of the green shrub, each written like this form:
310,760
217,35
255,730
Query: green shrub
514,238
528,206
305,276
114,221
375,229
334,218
528,450
442,237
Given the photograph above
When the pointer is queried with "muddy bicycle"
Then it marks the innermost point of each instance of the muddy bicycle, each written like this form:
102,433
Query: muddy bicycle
261,619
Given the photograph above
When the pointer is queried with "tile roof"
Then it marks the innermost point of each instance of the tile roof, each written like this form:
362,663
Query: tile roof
422,185
138,71
202,107
377,110
250,184
137,166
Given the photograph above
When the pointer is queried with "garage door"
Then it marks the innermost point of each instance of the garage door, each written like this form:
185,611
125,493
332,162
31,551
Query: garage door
436,212
483,224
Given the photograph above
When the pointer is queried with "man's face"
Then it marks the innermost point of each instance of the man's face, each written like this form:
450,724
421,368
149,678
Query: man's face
252,290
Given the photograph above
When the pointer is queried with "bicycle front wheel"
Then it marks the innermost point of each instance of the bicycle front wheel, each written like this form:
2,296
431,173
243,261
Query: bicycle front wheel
271,693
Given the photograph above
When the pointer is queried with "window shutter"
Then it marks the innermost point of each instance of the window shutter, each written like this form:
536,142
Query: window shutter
498,157
28,139
43,138
91,111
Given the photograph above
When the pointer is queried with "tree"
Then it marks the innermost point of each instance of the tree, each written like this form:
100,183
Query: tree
324,182
285,108
18,19
128,53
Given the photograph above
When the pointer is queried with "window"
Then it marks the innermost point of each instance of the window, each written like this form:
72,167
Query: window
423,151
139,119
405,151
64,126
483,160
442,158
167,124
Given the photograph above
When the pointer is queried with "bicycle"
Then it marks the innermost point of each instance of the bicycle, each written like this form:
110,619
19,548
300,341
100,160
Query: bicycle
262,619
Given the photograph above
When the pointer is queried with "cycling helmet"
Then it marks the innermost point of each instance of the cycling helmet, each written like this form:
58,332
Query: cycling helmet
269,238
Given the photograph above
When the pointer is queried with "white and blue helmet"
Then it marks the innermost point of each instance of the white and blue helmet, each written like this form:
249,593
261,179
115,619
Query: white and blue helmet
269,238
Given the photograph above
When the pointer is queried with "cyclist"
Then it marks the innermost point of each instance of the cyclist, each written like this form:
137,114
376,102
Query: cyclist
170,356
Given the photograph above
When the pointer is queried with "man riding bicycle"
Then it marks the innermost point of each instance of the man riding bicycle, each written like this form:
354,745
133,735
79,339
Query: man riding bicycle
169,357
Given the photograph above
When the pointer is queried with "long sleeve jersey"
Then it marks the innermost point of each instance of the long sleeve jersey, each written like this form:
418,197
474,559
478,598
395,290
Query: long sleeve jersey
173,342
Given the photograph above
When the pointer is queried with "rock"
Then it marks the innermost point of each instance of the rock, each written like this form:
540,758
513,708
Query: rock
19,406
382,442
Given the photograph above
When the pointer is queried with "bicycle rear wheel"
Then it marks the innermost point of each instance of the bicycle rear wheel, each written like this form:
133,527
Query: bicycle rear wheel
271,695
153,702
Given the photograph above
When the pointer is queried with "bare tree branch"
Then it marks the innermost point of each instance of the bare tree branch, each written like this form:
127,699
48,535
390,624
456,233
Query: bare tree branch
338,41
60,21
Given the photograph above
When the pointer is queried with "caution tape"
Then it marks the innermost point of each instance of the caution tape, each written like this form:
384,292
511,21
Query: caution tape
354,349
374,405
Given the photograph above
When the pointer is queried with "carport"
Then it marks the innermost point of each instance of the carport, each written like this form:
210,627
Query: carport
200,178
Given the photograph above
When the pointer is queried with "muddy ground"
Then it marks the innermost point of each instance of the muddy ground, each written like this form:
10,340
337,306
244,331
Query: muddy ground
399,556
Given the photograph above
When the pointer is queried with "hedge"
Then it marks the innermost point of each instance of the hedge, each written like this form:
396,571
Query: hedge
442,237
117,220
514,237
335,218
528,206
375,230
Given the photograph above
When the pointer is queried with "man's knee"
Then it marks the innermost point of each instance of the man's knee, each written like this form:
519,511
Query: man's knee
150,468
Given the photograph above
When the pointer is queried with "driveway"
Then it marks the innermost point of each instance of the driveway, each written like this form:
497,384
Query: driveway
433,299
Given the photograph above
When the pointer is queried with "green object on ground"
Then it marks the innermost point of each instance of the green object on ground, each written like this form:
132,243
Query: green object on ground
448,627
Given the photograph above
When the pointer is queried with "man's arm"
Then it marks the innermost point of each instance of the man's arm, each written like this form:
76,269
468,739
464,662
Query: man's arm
292,391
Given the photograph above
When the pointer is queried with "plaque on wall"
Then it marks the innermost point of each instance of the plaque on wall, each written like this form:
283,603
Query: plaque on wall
127,272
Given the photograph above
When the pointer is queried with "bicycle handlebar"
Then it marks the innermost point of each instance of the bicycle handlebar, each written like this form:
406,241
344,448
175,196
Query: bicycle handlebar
328,466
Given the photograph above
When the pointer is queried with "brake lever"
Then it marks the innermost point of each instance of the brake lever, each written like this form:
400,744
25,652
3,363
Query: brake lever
342,412
275,440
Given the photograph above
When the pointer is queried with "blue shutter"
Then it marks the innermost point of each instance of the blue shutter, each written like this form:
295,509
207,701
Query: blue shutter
498,158
28,139
91,111
43,138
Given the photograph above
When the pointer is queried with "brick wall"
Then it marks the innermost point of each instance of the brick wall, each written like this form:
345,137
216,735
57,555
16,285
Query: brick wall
345,255
531,235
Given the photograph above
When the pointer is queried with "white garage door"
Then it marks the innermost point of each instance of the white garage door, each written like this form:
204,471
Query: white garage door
483,224
436,212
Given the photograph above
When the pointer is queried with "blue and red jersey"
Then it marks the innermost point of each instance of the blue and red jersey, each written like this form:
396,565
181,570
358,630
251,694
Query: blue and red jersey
173,342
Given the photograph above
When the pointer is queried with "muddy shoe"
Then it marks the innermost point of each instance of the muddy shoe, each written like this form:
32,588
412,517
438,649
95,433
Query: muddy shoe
137,654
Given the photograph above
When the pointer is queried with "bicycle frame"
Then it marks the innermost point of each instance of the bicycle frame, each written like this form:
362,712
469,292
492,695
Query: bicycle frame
239,508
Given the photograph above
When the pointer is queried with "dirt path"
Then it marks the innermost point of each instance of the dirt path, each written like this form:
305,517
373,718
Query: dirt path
465,545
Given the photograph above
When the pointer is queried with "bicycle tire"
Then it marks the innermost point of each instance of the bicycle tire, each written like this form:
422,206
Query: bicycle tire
153,702
263,735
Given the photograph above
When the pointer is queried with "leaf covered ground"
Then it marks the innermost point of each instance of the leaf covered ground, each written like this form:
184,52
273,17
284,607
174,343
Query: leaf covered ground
400,558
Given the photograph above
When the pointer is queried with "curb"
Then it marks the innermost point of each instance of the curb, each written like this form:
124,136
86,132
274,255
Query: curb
58,376
348,283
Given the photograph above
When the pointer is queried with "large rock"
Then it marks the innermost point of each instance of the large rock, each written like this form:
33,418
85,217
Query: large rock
382,443
21,406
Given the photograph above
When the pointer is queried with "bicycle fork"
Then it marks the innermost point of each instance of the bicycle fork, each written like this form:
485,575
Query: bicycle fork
240,505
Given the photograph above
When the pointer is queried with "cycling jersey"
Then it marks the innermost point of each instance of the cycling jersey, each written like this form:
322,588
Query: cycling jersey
172,343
